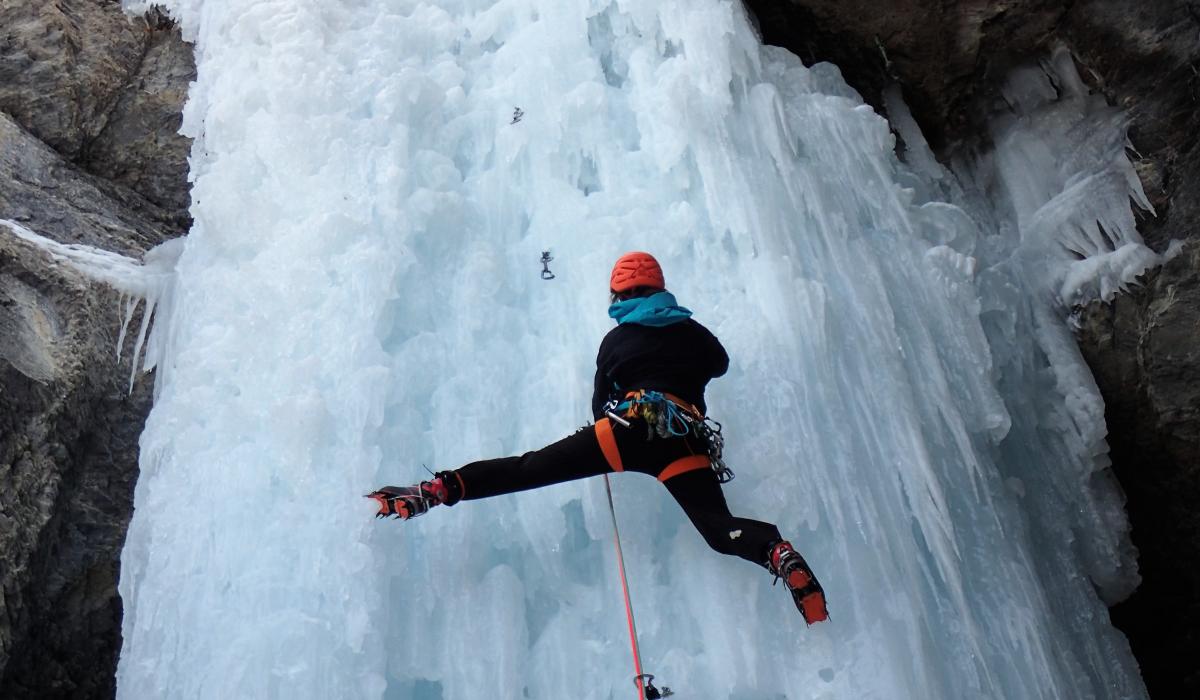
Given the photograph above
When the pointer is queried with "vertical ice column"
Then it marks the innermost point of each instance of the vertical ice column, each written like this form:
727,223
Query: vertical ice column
248,571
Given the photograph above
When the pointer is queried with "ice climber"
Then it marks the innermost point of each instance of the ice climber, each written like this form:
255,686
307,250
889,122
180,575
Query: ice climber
649,408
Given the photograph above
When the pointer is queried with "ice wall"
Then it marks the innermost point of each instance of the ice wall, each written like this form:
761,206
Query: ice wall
360,296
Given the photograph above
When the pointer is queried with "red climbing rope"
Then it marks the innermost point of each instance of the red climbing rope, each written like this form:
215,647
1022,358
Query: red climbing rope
637,657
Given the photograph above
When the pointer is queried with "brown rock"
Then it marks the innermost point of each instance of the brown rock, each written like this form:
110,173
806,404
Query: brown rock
106,92
945,55
140,146
63,65
103,90
1144,352
68,426
38,186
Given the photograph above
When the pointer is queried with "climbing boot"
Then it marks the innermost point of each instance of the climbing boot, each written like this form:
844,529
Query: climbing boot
407,502
806,591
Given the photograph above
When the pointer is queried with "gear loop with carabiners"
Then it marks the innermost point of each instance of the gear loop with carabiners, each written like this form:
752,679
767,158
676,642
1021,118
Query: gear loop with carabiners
666,418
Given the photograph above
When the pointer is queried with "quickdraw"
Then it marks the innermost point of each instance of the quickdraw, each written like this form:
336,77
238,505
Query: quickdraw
668,416
709,430
646,682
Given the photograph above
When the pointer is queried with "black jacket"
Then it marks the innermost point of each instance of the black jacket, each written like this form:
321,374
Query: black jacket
678,359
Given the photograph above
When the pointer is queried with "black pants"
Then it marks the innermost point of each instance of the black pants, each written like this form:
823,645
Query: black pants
698,492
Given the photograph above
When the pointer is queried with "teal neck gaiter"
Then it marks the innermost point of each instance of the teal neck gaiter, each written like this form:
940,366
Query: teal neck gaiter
655,310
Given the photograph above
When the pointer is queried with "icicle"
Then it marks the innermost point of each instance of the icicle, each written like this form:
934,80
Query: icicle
1060,162
137,348
129,301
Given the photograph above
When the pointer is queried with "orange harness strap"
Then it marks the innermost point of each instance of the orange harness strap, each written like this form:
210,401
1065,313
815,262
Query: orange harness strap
685,465
608,445
612,455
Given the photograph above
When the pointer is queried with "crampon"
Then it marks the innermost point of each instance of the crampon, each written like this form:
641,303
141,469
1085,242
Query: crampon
404,502
806,591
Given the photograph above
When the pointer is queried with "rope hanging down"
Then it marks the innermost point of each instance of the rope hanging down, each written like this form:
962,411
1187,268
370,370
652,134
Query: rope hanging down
643,681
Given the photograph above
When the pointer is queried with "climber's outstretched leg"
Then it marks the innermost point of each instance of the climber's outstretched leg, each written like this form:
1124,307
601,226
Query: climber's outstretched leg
574,457
699,494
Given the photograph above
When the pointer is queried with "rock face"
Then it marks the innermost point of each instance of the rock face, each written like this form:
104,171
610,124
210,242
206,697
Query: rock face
90,155
68,460
948,58
1144,351
102,89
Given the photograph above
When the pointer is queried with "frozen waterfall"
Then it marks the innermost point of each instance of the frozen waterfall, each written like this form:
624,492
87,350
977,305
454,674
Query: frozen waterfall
374,182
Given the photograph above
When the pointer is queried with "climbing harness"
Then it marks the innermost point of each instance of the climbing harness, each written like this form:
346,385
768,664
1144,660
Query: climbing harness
646,689
668,416
546,260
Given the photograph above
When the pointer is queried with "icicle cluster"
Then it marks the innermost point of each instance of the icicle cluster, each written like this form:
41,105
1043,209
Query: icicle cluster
150,281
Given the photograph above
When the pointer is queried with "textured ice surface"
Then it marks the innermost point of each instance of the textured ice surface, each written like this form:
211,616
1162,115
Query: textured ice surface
360,295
